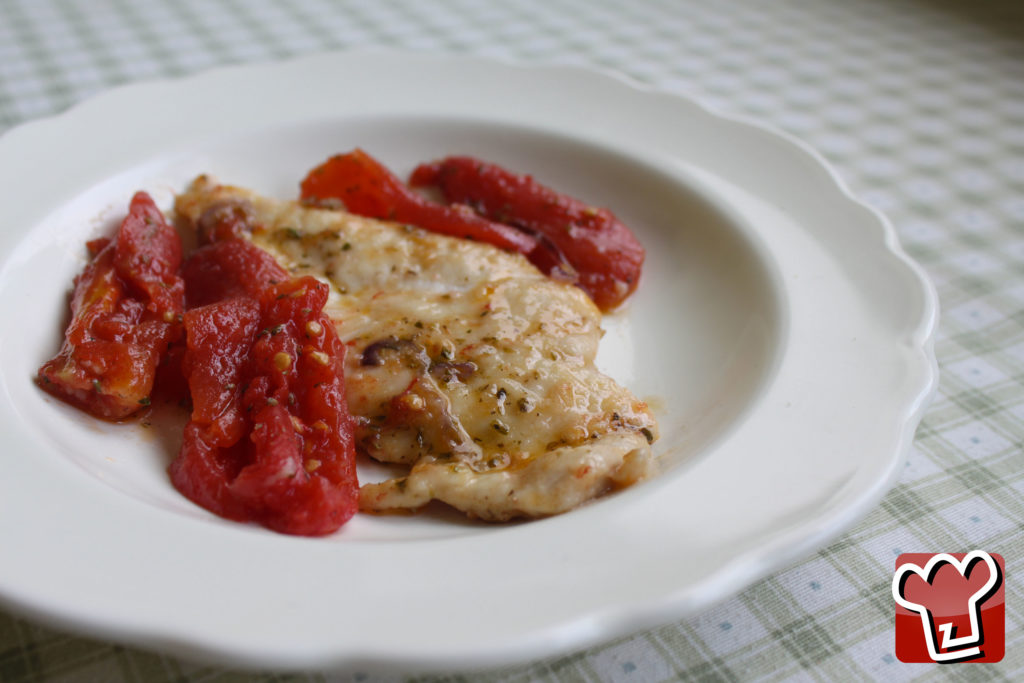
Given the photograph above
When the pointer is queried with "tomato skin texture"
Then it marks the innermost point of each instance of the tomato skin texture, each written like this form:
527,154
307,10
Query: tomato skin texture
148,255
229,268
125,311
369,189
604,253
270,439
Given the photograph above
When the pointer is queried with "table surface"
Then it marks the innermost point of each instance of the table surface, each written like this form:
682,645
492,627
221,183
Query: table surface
918,104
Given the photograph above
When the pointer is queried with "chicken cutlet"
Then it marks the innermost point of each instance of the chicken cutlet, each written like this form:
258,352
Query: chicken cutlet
466,364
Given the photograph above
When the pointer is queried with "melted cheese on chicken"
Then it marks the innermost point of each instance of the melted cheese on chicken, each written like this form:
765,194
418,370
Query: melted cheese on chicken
465,362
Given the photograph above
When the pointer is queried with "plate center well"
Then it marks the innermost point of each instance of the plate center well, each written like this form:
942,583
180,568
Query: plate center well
698,340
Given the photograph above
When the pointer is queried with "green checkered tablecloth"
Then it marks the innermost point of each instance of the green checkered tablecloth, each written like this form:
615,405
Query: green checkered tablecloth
919,104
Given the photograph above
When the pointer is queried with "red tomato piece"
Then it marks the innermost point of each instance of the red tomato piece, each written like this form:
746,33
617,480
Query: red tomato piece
227,269
148,255
369,189
125,311
604,253
270,439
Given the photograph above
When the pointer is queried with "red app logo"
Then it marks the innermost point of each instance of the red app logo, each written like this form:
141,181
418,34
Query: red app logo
950,607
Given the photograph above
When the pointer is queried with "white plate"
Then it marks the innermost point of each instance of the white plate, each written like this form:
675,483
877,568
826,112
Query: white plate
781,335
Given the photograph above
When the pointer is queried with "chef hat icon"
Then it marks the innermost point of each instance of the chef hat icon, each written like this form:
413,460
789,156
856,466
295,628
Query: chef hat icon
944,588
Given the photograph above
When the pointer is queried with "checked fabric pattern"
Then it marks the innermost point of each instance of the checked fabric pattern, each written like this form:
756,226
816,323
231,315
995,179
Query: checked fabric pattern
919,104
